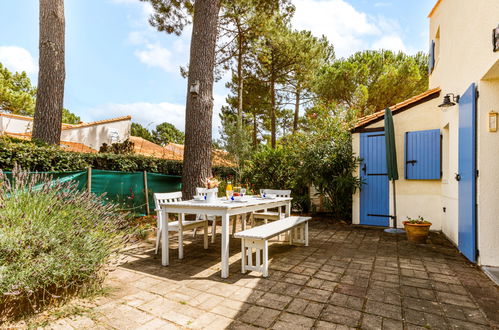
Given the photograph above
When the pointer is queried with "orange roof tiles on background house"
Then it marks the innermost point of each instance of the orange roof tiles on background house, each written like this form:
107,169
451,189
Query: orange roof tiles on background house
70,126
369,119
174,151
66,145
14,116
99,122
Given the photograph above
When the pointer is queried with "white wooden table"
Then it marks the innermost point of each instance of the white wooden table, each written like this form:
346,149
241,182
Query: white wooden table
220,207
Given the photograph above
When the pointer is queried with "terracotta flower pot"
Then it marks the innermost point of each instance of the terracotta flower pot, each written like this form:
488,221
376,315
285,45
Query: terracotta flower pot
417,232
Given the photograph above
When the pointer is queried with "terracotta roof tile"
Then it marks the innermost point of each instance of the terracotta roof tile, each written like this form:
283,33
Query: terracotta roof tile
174,151
66,145
361,122
77,147
105,121
11,115
434,8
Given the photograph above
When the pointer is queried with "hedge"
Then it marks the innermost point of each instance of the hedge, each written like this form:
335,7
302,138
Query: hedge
43,158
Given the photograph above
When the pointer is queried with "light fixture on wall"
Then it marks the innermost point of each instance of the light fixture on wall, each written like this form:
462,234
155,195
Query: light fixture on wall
492,121
448,101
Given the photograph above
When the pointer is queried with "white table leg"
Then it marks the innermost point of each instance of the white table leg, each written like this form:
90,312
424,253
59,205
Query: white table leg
288,209
225,245
206,234
181,236
164,238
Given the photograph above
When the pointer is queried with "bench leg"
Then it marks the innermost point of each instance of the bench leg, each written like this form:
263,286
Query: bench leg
260,247
265,258
306,233
243,256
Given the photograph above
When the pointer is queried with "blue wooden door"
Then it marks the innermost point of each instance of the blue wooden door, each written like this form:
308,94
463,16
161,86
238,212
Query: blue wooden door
467,174
374,200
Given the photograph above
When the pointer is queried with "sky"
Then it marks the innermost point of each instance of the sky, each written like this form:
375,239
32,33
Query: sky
117,64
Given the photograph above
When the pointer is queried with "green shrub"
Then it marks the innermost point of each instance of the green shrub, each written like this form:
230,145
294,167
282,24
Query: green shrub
320,155
43,158
277,169
329,165
54,241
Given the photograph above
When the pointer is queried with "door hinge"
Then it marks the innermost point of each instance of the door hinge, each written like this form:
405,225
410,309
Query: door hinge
477,93
477,173
477,252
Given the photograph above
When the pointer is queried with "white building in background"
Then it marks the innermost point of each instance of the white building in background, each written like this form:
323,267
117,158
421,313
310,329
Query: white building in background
447,146
92,135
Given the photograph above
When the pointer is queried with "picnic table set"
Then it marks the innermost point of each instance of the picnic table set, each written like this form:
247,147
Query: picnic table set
207,207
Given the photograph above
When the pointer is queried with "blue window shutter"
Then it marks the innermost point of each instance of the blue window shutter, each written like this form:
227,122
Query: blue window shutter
422,155
431,57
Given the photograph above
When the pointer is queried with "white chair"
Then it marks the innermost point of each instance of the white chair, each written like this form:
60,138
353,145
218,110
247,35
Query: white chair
202,192
266,215
177,226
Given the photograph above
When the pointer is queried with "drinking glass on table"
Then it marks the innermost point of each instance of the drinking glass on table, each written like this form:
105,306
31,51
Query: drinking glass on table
229,194
243,192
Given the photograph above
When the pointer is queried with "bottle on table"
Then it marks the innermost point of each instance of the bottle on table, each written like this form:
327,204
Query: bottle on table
228,190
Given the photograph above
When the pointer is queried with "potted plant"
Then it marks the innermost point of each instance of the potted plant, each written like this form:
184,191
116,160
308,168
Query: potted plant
417,230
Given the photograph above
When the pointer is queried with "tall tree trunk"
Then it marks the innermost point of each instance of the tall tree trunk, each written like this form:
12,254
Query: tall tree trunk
297,108
240,82
199,107
273,125
255,130
51,74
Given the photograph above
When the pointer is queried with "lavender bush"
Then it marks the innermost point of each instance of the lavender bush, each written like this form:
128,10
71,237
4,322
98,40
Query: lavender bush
54,241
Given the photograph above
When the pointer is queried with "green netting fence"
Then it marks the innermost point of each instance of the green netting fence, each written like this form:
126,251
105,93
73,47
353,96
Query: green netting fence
128,189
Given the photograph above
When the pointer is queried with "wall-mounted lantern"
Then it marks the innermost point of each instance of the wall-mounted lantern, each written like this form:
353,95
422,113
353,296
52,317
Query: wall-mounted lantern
495,38
448,102
492,121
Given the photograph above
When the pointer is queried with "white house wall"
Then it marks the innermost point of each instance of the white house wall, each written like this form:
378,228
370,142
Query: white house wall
15,125
488,180
465,57
96,135
414,197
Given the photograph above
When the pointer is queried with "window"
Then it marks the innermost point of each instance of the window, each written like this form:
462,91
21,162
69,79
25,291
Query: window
423,155
434,52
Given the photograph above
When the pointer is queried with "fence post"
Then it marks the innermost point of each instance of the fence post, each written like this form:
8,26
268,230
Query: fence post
89,179
146,192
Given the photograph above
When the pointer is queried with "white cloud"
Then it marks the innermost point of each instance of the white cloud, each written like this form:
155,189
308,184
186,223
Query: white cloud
348,29
382,4
18,59
156,56
392,42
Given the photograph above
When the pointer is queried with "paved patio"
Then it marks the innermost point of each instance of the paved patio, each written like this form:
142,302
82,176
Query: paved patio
347,278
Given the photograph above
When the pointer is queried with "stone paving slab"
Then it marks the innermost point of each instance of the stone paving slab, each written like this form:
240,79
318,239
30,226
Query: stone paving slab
348,278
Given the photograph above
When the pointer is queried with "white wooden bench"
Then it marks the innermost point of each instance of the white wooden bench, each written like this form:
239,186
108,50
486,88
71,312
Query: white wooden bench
256,240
